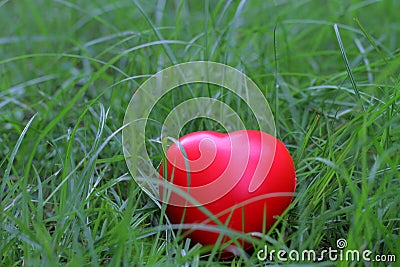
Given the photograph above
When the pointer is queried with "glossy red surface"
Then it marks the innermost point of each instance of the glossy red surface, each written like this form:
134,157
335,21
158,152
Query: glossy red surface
246,177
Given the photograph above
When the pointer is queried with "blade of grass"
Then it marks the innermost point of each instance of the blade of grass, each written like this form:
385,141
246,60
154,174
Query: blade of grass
347,64
6,176
370,39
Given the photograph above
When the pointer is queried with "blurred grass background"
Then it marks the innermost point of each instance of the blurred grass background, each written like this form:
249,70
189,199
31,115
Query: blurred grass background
69,68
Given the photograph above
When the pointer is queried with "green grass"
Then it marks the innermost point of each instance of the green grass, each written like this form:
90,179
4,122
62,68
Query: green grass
69,68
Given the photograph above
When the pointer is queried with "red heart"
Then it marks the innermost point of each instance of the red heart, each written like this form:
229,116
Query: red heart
246,177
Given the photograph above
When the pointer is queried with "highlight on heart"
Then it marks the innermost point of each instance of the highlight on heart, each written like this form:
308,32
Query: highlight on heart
244,156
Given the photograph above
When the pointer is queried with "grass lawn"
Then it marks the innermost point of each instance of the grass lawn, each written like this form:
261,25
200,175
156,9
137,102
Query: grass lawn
68,69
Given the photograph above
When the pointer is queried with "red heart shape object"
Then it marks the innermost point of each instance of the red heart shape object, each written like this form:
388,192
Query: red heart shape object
245,178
